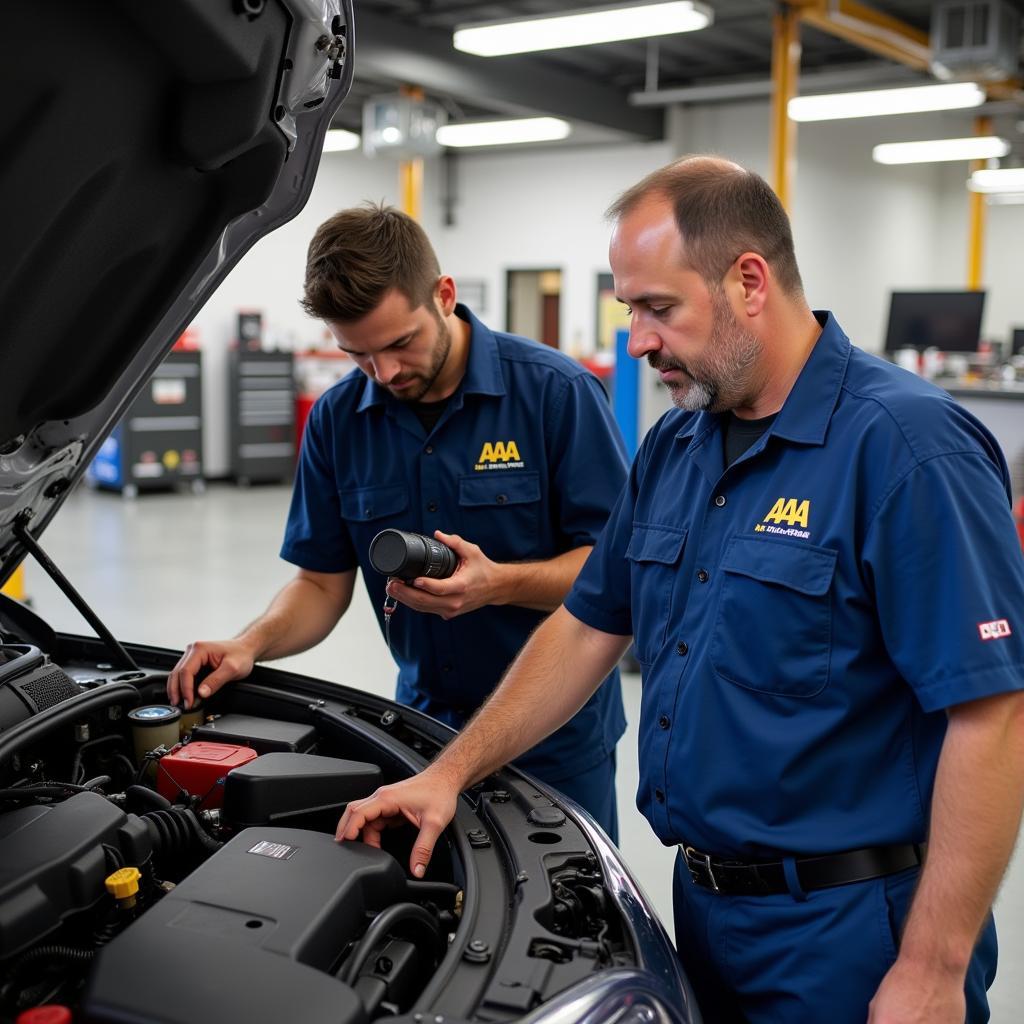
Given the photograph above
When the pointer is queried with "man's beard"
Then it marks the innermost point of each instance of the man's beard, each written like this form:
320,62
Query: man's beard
426,380
722,378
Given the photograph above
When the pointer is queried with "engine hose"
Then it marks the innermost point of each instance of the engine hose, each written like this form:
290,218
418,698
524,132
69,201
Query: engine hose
412,915
69,954
176,830
140,795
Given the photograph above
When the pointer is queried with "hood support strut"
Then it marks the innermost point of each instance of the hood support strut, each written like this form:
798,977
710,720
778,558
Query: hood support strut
120,655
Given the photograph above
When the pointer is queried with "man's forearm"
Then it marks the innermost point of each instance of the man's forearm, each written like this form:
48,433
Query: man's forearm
552,678
976,812
539,585
299,617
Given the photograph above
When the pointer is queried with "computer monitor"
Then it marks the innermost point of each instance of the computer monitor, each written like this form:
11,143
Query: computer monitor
949,321
1017,342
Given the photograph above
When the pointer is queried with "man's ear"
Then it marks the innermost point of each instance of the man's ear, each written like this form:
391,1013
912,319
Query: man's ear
446,295
751,275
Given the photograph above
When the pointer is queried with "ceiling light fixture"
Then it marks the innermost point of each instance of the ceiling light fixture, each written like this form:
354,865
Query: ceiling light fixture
881,102
975,147
581,28
338,140
503,133
997,180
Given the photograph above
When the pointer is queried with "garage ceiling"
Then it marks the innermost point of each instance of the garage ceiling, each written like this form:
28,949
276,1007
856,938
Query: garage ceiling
409,42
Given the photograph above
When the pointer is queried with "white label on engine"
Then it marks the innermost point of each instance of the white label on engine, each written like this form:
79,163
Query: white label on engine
279,851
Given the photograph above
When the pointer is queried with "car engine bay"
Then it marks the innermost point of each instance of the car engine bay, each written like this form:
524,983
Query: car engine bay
161,866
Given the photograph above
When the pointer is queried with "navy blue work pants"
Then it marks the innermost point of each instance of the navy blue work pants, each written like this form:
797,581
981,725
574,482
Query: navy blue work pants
785,959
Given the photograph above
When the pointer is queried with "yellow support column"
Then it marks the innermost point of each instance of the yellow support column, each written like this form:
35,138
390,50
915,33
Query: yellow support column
410,177
15,586
785,79
976,224
410,172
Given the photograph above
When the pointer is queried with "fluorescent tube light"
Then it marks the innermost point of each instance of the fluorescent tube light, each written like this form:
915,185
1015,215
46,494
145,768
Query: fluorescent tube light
338,140
880,102
976,147
581,28
1003,179
503,133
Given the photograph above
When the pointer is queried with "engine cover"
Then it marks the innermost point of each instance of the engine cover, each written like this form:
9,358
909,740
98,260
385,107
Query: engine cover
274,907
52,863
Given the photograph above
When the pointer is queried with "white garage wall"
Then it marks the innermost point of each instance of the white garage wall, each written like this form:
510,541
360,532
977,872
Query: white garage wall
861,229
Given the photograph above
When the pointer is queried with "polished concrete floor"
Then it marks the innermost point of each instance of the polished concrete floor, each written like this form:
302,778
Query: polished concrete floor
170,568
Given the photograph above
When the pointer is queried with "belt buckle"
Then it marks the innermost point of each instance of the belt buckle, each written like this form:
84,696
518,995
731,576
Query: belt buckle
705,860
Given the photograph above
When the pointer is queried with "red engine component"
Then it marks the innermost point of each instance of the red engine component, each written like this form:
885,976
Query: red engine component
200,768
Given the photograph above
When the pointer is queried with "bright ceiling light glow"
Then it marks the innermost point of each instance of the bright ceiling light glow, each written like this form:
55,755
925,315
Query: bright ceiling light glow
975,147
1003,179
503,133
582,28
881,102
338,140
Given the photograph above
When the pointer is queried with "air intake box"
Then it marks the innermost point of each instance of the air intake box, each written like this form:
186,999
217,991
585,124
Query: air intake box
251,935
30,683
303,790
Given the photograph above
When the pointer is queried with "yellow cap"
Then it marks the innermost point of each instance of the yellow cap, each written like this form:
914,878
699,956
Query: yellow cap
124,883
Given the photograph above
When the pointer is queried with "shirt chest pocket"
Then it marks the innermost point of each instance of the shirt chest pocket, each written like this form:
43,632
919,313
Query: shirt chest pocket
500,511
368,510
653,553
773,631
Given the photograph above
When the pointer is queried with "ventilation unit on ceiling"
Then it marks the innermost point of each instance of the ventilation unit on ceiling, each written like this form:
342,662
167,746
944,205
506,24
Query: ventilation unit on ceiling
402,126
976,39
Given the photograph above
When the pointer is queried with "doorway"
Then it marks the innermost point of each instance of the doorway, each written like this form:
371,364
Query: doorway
533,304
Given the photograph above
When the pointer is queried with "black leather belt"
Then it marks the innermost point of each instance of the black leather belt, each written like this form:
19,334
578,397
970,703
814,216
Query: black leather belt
736,878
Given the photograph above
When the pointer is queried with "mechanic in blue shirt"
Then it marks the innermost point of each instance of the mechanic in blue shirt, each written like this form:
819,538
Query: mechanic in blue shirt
816,555
507,445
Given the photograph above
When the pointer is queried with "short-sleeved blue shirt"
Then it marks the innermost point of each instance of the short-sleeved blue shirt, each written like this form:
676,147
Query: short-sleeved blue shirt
805,617
525,461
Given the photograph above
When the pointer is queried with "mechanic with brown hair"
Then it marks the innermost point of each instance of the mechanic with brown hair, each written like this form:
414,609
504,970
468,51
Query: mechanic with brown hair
506,445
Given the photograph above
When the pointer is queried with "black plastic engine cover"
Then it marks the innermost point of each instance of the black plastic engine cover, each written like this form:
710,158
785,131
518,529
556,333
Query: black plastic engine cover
296,789
52,863
262,734
248,935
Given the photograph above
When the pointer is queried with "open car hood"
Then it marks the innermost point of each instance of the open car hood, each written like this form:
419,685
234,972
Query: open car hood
146,149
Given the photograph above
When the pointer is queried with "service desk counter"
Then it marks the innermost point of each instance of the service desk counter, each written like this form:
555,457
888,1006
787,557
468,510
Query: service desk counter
1000,406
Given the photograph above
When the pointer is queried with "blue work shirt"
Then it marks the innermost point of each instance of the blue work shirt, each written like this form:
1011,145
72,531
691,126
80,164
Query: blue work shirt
804,617
526,462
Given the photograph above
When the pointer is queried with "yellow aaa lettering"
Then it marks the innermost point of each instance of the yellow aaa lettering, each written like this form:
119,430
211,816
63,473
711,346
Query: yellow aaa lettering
499,451
790,511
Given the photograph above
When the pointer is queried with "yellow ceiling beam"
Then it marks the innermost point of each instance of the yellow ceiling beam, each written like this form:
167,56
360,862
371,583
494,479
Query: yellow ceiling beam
869,29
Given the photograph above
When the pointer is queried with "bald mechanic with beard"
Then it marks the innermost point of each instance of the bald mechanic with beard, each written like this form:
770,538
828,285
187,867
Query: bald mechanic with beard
816,555
506,445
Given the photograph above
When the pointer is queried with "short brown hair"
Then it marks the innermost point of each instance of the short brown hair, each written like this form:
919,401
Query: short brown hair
359,255
721,210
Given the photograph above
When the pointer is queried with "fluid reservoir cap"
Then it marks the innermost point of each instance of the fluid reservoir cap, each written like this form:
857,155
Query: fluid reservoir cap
122,884
45,1015
154,714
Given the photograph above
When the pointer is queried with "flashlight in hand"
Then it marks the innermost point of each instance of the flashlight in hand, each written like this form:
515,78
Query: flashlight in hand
406,556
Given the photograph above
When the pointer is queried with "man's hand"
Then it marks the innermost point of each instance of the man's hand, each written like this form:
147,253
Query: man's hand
229,659
919,994
426,800
476,582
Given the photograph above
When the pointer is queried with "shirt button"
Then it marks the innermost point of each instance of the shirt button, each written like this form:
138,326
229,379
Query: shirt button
663,722
681,647
720,500
446,667
432,507
430,451
501,499
659,796
702,575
